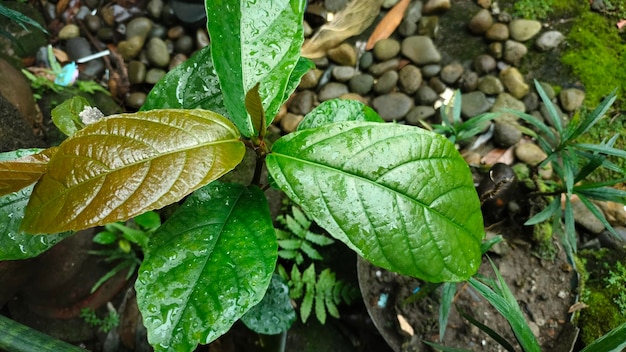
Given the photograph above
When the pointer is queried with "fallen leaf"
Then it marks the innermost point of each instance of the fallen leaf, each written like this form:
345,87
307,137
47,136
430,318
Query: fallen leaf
388,24
405,326
577,306
350,21
621,24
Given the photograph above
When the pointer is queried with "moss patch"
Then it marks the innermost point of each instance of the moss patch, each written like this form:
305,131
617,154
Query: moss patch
603,271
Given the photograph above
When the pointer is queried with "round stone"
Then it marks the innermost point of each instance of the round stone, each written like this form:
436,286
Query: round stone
158,30
129,49
290,122
429,71
426,95
361,84
530,153
344,54
343,73
106,34
474,104
419,113
93,23
469,81
436,7
514,52
302,102
549,40
513,81
366,60
332,90
490,85
310,79
155,8
139,26
386,83
157,52
154,75
136,72
484,64
505,101
176,60
451,73
497,32
135,100
77,48
571,98
392,106
506,134
480,22
175,32
184,45
386,49
421,50
410,79
378,69
69,31
523,29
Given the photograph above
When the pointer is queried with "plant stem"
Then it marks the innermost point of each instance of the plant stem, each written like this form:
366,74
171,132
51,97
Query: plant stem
16,337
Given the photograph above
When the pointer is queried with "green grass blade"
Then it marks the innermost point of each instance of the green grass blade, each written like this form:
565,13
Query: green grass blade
447,295
595,185
595,115
604,194
598,214
552,113
601,149
570,230
456,108
542,127
487,330
613,341
595,161
21,338
546,213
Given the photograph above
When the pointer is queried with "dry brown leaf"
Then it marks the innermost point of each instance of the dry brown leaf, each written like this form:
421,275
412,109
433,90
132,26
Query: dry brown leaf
388,24
405,326
350,21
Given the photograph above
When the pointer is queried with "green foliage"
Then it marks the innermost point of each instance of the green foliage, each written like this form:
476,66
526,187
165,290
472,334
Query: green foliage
297,240
123,237
110,321
367,183
274,314
616,284
321,292
573,162
457,130
532,9
20,19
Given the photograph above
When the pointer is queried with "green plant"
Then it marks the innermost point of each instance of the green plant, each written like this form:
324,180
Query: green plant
122,237
532,9
615,282
110,321
572,162
20,19
297,239
368,184
457,130
322,291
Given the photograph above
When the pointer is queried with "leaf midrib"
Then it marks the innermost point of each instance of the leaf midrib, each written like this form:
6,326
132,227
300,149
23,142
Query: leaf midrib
434,211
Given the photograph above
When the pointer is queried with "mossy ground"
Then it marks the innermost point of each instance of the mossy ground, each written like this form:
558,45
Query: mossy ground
603,313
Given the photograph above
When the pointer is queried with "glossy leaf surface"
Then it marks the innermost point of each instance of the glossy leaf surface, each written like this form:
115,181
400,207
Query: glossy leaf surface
22,168
254,42
124,165
15,244
206,266
338,110
302,67
66,116
274,314
190,85
400,196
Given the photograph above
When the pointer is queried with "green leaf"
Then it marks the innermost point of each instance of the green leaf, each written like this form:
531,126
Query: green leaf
255,42
190,85
338,110
443,348
255,109
274,314
15,244
302,67
489,331
613,341
552,113
371,186
127,164
447,295
18,337
21,168
105,237
206,266
601,149
148,220
507,305
546,213
66,116
594,116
